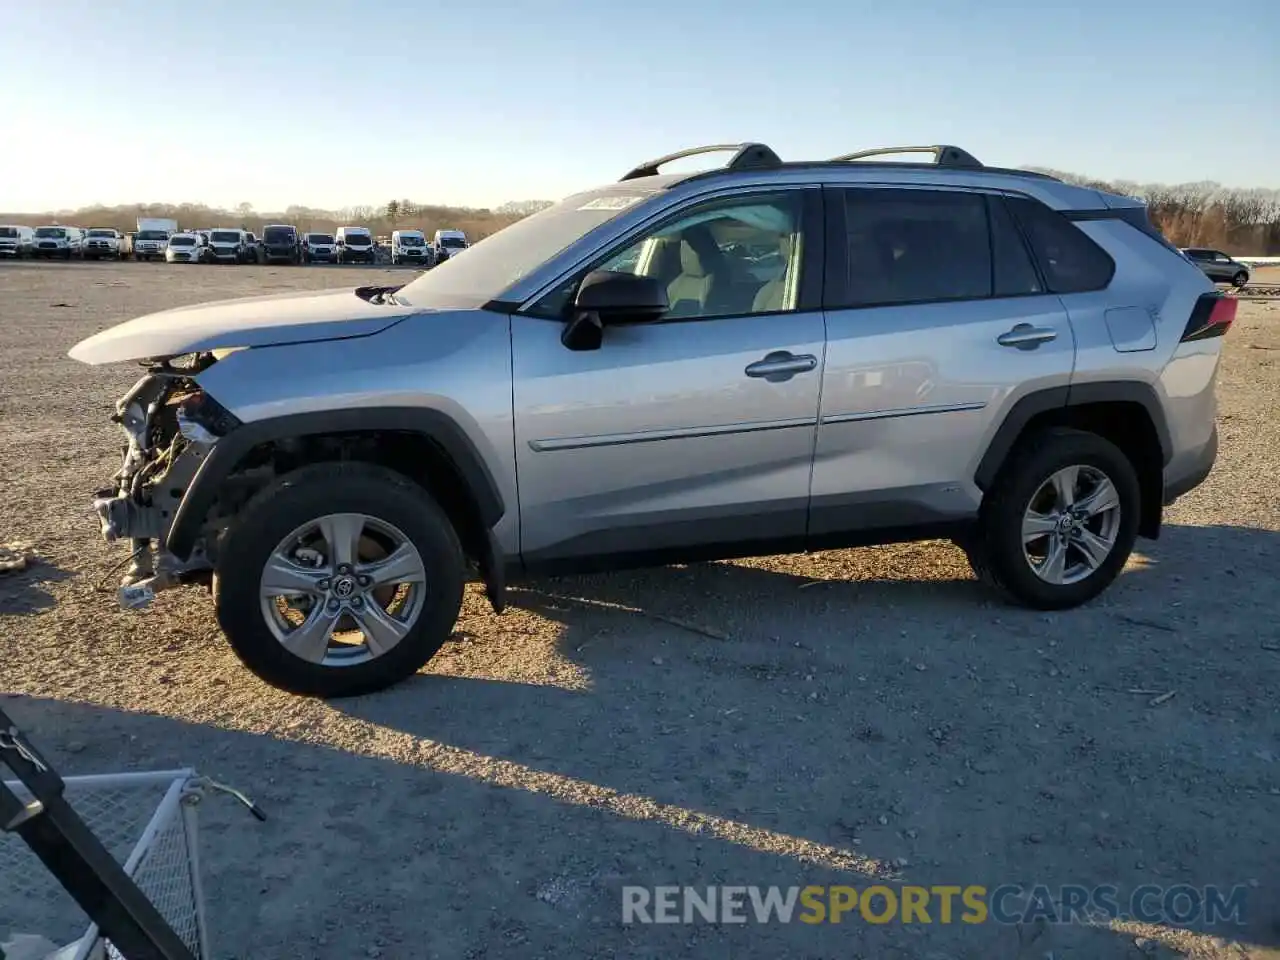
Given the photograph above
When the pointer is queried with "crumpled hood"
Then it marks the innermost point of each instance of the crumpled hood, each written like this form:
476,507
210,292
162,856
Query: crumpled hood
247,322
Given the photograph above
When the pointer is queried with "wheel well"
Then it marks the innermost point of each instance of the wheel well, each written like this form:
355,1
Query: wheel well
1128,425
411,454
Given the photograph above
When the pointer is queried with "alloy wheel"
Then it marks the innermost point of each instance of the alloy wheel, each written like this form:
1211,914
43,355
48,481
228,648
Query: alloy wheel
343,589
1070,526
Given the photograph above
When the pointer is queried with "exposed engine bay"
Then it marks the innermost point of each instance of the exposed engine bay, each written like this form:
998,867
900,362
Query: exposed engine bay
169,426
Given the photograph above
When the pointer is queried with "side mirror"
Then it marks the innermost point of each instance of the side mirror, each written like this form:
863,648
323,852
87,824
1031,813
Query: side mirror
607,298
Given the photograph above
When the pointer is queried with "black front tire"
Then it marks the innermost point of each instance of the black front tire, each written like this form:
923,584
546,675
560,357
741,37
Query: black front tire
308,494
995,549
1240,279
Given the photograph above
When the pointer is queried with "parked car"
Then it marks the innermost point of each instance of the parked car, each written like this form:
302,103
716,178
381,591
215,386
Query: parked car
409,246
355,245
187,248
16,241
1219,267
102,242
280,244
318,248
228,245
60,241
979,346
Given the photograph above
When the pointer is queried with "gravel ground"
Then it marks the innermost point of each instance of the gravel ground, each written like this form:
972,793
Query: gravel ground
825,719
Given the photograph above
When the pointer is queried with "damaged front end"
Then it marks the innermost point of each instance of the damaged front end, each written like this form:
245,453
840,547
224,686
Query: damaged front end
170,425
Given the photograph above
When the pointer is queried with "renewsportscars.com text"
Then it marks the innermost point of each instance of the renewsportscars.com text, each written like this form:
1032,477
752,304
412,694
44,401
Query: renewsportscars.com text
879,904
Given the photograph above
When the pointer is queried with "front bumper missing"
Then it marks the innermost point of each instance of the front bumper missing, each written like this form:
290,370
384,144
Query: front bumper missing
151,484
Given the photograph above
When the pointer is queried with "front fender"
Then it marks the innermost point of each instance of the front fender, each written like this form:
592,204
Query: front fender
228,453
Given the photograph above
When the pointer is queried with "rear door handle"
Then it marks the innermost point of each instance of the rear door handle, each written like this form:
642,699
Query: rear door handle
781,365
1026,337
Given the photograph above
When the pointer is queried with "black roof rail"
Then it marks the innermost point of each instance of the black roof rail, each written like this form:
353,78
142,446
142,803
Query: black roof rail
944,155
746,156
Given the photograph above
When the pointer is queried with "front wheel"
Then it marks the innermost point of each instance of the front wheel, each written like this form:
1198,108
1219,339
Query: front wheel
342,579
1060,521
1240,279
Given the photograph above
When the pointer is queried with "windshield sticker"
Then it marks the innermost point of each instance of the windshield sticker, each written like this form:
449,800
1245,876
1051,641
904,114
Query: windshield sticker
610,203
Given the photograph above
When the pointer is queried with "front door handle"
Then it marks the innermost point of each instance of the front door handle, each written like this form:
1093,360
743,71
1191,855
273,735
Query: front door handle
781,365
1026,337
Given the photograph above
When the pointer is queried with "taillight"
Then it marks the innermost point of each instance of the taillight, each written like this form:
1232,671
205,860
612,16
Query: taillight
1212,317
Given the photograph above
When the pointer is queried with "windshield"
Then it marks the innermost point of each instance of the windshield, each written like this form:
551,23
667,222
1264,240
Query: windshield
412,240
319,238
225,236
182,242
8,232
151,235
499,260
359,239
51,232
102,233
452,242
278,236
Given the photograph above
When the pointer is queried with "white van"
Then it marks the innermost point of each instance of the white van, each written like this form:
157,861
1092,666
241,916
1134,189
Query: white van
64,242
449,243
354,244
408,246
16,241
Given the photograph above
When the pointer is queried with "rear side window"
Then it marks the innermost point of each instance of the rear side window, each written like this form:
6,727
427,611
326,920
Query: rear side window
913,246
1014,274
1069,260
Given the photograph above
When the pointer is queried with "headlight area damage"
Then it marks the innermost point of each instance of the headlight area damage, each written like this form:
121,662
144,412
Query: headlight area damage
170,425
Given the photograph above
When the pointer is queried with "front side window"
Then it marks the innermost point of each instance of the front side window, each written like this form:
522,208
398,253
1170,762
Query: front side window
731,257
916,246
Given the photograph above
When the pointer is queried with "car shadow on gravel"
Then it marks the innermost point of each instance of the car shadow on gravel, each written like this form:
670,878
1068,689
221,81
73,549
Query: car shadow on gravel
24,591
924,723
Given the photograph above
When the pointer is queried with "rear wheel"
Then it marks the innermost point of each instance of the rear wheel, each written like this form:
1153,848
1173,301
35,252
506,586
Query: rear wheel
343,579
1060,521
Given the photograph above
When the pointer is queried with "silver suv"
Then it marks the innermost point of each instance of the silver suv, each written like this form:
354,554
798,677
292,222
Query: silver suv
761,358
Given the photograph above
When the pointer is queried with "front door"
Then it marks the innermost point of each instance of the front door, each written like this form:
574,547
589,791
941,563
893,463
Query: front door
693,432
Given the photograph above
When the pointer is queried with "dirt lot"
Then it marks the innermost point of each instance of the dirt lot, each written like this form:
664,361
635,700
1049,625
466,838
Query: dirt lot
844,716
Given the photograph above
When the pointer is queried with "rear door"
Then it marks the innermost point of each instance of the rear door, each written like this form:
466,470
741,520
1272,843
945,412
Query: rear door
937,323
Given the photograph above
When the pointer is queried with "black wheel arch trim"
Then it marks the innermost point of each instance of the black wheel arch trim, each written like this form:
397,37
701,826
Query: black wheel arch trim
230,450
1054,398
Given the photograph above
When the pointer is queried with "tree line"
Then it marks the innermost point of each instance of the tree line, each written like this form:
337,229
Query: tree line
1242,222
1245,222
476,222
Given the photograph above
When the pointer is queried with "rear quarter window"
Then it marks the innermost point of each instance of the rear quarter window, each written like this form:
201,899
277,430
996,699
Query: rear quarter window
1069,260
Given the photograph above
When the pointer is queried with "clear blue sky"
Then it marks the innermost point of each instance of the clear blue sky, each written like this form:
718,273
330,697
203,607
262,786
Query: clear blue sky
334,102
